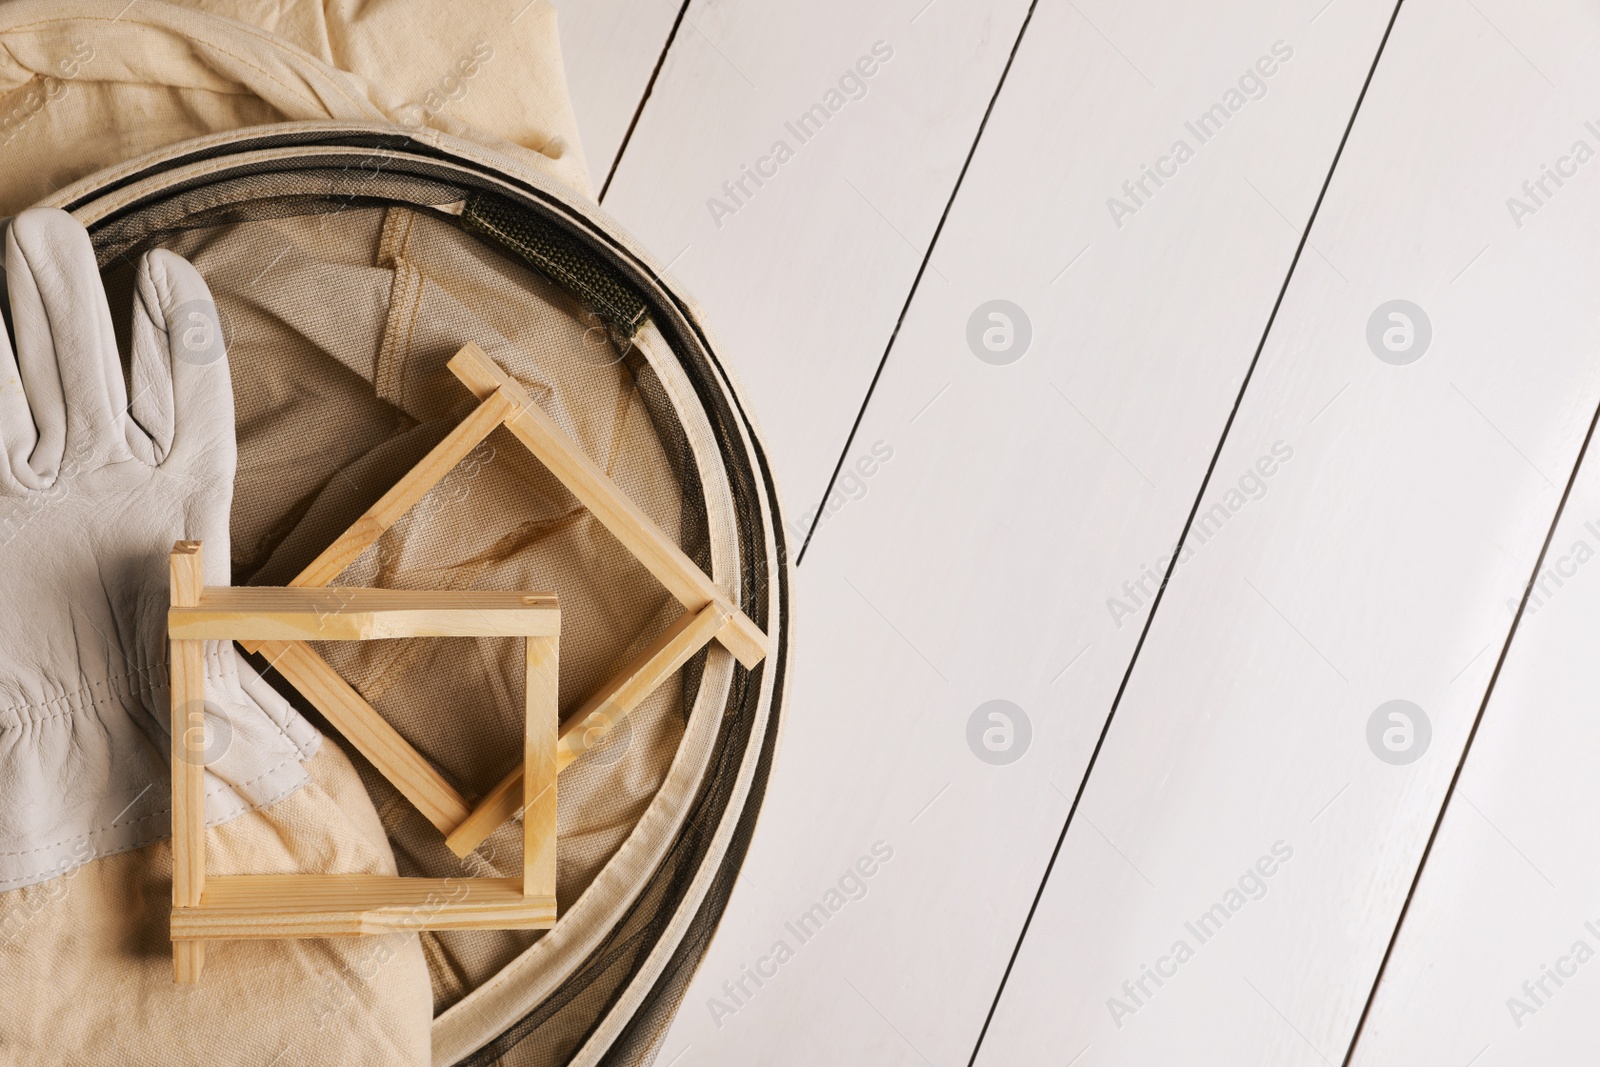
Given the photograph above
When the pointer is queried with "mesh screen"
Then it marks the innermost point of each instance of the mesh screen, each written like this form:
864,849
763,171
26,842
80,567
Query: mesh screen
342,291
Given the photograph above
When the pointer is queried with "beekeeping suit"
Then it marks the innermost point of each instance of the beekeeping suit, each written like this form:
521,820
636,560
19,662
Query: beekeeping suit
84,883
364,188
86,84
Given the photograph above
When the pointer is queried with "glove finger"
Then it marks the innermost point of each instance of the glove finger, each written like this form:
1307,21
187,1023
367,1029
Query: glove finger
150,370
18,436
66,350
183,395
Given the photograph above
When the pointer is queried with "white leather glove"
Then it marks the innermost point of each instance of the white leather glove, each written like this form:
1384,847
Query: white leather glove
94,490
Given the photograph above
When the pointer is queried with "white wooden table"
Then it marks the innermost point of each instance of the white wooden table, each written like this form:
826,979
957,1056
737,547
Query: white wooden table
1288,304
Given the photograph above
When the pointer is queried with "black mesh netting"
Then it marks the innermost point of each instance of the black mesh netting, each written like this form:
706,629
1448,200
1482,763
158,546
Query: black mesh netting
310,252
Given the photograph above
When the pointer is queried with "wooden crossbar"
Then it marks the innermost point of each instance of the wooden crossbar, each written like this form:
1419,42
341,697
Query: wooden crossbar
597,718
259,613
368,732
686,582
338,905
407,491
539,753
188,687
254,906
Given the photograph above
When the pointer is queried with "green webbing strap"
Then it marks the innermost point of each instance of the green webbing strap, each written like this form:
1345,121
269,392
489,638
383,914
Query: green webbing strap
558,257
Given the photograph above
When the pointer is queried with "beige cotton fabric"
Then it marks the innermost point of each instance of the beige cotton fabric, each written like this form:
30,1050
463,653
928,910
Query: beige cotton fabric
410,290
339,326
85,85
366,290
88,968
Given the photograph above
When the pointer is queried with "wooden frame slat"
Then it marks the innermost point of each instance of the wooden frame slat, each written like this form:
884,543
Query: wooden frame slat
405,494
187,685
368,732
599,715
260,613
539,755
341,905
259,906
686,582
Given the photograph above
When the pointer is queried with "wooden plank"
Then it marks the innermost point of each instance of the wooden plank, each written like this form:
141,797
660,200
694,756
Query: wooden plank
539,761
254,906
610,48
188,770
359,723
188,680
1482,968
610,505
1376,568
1486,963
840,226
405,493
597,717
188,959
403,496
976,564
268,613
187,575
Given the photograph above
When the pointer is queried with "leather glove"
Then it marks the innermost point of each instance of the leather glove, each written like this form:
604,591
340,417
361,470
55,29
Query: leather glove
94,489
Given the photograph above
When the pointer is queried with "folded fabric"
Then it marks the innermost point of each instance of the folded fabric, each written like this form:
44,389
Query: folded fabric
329,333
88,968
88,84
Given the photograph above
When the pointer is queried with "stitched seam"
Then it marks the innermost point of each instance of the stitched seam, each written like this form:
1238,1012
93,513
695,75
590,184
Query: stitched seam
71,698
408,347
405,306
158,812
408,326
74,704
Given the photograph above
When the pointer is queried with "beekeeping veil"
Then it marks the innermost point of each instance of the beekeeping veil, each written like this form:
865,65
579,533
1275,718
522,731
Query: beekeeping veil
365,188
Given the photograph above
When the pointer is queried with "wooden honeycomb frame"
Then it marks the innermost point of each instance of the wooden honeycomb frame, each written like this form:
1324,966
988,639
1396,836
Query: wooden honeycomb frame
228,907
345,905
